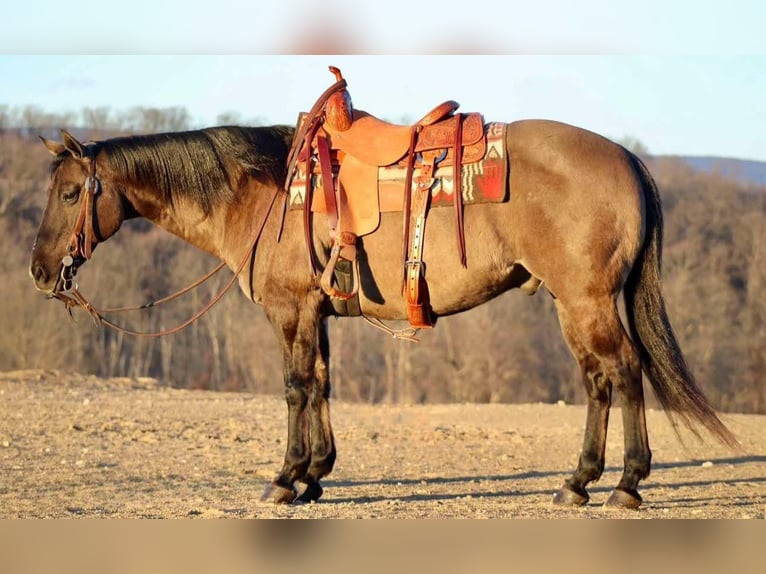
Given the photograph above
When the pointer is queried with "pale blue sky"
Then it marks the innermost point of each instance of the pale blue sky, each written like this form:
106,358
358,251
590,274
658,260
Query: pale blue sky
696,105
682,76
388,26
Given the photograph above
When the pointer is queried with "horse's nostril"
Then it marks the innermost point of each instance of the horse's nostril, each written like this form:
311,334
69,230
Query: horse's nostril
38,273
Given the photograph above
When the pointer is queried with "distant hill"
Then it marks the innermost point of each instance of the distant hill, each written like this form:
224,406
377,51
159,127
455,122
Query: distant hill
742,170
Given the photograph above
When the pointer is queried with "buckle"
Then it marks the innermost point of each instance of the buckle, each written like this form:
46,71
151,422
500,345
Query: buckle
413,263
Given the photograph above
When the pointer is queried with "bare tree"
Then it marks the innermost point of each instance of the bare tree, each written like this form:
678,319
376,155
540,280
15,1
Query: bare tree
508,350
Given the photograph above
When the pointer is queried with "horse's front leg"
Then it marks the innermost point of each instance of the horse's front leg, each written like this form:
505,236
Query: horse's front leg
295,322
322,441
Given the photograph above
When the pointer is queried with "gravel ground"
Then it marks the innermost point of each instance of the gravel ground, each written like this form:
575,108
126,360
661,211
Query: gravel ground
78,446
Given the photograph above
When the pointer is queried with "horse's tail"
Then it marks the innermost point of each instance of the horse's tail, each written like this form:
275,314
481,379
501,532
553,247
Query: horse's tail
661,357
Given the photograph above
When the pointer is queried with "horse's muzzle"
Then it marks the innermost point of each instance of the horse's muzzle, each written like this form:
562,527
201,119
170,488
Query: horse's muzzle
46,283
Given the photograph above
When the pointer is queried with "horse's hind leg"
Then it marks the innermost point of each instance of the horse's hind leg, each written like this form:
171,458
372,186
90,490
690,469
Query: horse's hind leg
638,456
607,360
322,441
599,390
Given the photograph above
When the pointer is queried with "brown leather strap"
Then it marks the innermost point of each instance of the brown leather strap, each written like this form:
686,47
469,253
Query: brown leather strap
83,233
304,138
457,197
416,293
89,235
406,204
76,245
343,244
344,247
308,198
313,116
167,298
328,183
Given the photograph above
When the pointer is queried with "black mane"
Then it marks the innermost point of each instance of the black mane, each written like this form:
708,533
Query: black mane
201,165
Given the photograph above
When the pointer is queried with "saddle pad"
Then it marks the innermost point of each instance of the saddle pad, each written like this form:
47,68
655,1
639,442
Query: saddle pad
483,181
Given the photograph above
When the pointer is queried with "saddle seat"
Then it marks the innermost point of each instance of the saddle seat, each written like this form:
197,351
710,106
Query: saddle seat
376,142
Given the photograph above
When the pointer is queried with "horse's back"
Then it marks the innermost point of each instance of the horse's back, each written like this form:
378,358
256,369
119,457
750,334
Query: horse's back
562,151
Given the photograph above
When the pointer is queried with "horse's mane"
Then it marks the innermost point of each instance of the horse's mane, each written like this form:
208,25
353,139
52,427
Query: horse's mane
201,165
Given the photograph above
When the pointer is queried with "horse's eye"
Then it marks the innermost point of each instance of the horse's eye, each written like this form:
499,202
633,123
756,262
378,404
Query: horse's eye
71,195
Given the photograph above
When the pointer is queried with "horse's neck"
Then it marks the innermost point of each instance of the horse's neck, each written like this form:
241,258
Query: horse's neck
227,232
182,218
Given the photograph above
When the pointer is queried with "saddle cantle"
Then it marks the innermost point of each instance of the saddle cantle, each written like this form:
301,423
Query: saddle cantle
341,152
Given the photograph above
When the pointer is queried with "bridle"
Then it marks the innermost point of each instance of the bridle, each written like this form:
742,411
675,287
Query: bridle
83,234
84,240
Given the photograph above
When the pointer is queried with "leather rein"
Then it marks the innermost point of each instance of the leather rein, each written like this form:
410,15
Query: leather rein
81,247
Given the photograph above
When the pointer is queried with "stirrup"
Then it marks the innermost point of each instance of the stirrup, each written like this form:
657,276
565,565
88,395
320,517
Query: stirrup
329,272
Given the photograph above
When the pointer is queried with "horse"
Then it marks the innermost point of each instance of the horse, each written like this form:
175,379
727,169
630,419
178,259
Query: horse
583,219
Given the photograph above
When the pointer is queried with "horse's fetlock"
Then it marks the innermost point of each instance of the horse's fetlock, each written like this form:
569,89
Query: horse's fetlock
638,464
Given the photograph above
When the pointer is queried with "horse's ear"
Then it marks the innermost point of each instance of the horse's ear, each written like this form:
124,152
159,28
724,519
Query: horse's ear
71,144
55,148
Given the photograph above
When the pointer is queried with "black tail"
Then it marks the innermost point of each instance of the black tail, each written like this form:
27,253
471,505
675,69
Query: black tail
661,356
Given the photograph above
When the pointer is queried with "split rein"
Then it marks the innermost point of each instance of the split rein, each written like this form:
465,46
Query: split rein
83,240
72,298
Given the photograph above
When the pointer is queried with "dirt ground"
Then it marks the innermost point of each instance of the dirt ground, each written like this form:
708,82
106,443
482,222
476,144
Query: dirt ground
78,446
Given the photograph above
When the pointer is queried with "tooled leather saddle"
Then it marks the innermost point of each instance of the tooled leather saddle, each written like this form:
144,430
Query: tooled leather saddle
339,152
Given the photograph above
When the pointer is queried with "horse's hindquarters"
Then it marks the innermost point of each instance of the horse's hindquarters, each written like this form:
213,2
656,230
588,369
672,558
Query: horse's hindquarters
578,207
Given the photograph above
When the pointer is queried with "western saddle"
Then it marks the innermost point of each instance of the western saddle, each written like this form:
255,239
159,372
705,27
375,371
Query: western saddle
341,150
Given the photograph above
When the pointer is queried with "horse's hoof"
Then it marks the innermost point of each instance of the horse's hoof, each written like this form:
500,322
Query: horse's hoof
278,494
311,492
567,496
622,499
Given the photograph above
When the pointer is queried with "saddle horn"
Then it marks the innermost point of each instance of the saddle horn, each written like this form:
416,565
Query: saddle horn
339,111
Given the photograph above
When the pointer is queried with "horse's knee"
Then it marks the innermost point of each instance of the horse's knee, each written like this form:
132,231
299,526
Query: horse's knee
320,394
296,393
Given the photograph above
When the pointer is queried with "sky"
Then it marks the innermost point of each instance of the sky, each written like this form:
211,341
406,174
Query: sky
687,105
385,26
682,77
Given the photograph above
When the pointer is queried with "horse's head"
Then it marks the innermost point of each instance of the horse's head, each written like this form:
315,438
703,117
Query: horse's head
80,214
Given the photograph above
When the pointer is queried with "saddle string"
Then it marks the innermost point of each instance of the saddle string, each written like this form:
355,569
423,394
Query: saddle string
406,334
457,193
74,298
